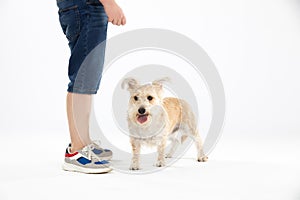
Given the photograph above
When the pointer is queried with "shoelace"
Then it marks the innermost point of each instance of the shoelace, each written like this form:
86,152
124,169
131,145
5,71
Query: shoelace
97,143
88,150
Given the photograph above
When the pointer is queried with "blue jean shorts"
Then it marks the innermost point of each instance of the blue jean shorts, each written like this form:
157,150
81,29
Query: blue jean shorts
84,23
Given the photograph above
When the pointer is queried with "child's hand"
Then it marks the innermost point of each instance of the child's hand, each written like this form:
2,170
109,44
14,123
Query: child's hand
114,12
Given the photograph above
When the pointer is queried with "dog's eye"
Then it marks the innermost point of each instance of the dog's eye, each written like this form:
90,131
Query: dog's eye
135,98
149,98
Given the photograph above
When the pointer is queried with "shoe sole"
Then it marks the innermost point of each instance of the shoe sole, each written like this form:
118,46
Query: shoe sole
74,168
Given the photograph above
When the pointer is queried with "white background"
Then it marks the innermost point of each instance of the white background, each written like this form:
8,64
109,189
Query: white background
255,45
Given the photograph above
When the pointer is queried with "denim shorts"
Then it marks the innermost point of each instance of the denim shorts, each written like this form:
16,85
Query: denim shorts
84,23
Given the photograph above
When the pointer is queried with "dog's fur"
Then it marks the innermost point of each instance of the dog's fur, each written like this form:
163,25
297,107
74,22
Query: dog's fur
162,118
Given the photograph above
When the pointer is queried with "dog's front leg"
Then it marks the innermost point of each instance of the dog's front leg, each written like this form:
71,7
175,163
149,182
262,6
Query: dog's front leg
136,149
161,154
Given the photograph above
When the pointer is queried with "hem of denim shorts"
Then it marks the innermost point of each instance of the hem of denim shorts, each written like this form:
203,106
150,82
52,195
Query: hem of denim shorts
81,91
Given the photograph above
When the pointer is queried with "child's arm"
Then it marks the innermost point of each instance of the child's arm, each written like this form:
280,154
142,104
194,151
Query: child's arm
114,12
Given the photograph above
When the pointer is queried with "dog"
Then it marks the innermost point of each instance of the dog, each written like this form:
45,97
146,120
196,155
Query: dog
152,120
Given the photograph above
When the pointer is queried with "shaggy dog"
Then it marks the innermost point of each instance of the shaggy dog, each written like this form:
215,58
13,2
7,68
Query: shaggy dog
152,120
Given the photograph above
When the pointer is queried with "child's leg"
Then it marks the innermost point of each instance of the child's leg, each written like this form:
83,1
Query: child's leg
78,112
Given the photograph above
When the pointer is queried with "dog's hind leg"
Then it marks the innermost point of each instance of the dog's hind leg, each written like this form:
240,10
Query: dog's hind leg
161,154
174,145
198,142
183,138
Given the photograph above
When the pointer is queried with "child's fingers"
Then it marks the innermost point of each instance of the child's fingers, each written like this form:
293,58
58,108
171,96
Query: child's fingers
114,21
119,22
124,20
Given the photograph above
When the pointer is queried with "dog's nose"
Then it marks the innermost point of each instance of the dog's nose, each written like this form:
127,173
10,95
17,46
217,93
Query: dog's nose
141,110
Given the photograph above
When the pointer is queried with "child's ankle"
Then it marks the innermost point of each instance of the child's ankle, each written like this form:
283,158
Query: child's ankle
75,147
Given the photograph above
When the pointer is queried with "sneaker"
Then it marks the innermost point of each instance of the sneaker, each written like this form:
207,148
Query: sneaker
85,161
102,154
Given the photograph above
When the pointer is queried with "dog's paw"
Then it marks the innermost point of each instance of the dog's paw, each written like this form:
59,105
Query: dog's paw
134,167
168,155
203,159
160,164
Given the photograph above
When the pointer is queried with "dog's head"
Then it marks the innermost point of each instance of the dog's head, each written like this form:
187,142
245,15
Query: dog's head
143,99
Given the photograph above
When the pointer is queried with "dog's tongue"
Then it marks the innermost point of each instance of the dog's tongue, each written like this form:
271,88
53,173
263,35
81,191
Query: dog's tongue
142,118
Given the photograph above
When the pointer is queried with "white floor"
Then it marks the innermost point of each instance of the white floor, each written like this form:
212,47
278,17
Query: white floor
257,168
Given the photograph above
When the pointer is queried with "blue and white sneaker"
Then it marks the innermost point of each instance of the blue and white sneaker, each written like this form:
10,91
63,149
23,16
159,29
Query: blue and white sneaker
102,154
85,161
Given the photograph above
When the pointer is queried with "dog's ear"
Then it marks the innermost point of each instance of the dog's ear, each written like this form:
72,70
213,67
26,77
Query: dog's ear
131,84
160,82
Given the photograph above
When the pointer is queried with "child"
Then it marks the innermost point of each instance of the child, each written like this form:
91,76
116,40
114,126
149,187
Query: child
84,23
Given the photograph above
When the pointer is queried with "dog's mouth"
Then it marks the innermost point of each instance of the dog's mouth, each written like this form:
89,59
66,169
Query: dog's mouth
142,118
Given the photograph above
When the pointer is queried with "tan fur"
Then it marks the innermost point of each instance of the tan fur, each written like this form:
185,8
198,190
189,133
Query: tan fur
164,117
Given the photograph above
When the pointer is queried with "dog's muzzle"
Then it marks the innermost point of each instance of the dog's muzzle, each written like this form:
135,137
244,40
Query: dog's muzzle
142,118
